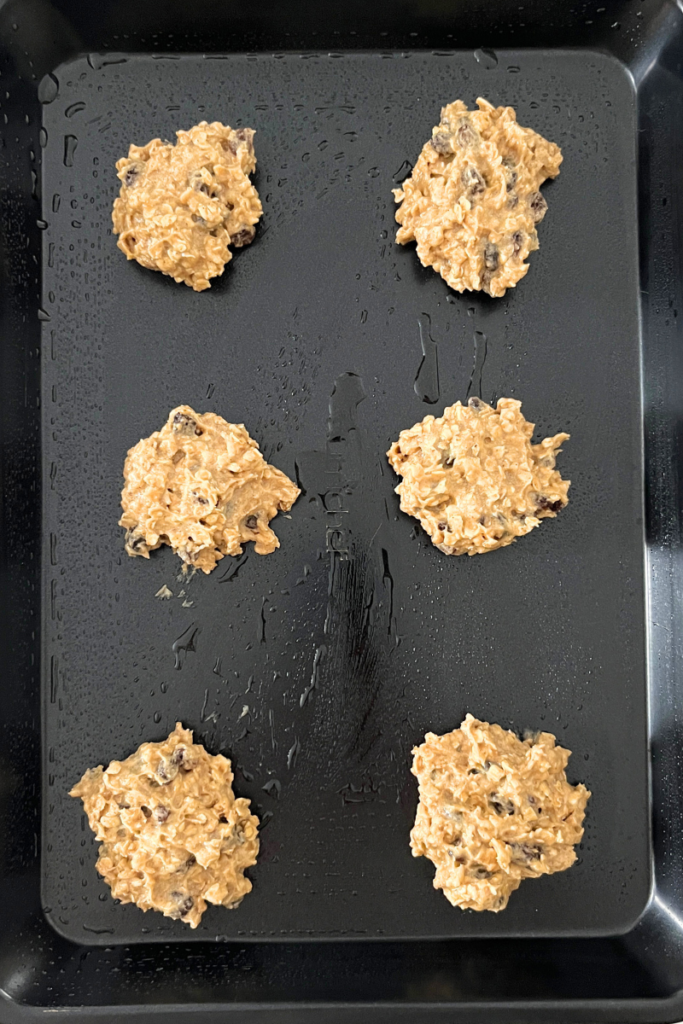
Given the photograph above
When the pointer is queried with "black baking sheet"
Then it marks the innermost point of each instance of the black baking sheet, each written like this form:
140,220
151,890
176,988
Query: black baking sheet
318,668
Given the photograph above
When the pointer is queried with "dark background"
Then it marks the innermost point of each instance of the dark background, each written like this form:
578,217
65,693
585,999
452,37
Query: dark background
632,978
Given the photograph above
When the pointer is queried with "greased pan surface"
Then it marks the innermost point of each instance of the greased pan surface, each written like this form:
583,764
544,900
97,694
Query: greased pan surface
318,668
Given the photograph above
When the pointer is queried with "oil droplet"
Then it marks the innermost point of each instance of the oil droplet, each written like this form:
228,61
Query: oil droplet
486,58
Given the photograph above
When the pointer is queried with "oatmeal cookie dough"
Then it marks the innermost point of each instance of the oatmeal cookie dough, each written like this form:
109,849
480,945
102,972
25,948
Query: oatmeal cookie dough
494,810
174,837
181,206
473,478
202,486
472,202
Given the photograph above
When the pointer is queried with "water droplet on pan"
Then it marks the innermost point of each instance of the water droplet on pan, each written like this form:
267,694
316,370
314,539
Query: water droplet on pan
427,376
487,58
70,144
48,89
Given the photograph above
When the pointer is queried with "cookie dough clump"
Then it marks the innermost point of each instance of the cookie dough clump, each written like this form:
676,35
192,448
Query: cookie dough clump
174,837
182,205
472,202
473,478
202,486
494,810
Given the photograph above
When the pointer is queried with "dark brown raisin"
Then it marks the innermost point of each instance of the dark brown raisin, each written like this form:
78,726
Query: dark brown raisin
442,526
223,820
135,542
465,134
538,206
544,504
178,756
184,424
185,903
146,811
517,241
198,498
473,181
251,523
162,772
460,860
479,871
501,805
132,175
513,201
243,237
442,142
476,404
161,813
491,256
239,136
525,853
190,861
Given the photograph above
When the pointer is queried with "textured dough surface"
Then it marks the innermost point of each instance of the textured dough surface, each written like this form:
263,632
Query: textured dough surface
181,206
473,478
201,485
174,837
494,810
472,201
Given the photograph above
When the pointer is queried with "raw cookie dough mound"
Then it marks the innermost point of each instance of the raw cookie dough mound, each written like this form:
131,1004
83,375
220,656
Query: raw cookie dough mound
472,202
473,478
174,837
202,486
182,205
494,810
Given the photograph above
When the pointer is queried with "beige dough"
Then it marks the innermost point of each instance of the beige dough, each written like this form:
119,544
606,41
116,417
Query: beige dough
174,837
472,201
494,810
181,206
202,486
473,478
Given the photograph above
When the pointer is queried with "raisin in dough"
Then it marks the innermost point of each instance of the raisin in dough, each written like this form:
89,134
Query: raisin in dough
472,202
182,205
473,478
174,837
494,810
202,486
